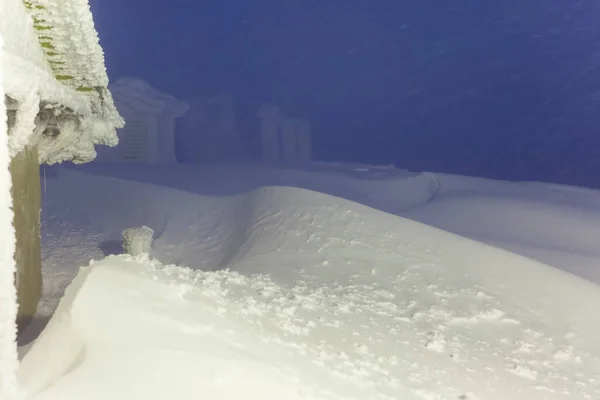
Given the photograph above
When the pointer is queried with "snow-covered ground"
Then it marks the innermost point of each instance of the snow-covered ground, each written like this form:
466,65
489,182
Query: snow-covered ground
316,283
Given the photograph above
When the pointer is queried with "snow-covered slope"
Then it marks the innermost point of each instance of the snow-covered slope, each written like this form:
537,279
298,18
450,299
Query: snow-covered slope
550,223
357,302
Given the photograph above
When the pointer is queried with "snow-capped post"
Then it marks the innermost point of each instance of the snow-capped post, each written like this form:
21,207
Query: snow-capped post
137,241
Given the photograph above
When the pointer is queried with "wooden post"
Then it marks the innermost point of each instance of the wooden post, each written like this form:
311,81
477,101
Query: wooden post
26,193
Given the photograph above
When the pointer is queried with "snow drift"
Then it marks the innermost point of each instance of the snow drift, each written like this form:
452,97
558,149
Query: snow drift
322,298
553,224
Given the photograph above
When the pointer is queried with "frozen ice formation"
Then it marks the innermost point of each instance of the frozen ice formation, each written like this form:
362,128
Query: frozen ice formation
137,241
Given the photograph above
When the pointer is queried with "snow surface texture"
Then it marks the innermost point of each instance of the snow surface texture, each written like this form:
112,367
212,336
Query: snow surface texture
138,241
358,303
8,296
69,34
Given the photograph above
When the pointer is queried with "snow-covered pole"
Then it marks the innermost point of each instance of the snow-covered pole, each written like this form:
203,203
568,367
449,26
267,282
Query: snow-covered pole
9,361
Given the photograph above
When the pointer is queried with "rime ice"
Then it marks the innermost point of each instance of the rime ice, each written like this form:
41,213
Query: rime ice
137,241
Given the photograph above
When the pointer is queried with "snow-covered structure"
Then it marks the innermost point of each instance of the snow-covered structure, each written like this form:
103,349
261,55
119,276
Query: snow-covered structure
56,107
295,140
286,140
149,135
208,132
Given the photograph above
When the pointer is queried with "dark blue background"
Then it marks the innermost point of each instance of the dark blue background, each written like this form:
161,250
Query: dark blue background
499,88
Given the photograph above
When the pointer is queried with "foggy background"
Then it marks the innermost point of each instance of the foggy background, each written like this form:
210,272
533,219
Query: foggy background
502,89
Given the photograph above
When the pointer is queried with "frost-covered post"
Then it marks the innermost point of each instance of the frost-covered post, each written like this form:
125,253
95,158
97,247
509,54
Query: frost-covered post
8,292
27,204
269,133
137,241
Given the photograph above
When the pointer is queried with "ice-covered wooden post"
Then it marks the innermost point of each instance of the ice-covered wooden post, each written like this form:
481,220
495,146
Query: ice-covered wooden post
269,134
26,192
8,293
48,116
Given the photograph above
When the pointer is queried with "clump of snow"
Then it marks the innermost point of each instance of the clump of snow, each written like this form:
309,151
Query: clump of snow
138,241
24,128
20,38
8,297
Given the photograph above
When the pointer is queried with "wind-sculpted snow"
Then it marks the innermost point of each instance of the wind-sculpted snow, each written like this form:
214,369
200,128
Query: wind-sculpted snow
302,295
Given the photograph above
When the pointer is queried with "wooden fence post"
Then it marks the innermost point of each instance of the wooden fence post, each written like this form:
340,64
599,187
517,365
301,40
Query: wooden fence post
26,193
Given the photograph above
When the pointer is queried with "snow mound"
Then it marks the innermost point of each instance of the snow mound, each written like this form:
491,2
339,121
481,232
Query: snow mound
553,224
322,298
563,234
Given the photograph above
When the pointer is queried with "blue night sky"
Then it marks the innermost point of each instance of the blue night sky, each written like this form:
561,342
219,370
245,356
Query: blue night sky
507,89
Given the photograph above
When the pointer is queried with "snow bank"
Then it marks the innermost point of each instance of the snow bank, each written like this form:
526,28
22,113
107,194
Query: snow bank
167,332
8,294
355,303
557,225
